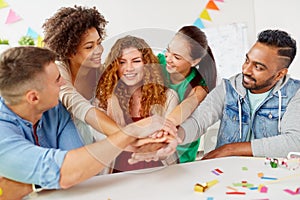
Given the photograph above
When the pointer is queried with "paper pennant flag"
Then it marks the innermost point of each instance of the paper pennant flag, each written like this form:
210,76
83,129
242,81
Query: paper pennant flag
205,15
3,4
40,42
32,33
198,22
211,5
12,17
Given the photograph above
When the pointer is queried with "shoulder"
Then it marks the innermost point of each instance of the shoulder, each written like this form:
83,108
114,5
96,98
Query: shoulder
63,69
171,92
57,111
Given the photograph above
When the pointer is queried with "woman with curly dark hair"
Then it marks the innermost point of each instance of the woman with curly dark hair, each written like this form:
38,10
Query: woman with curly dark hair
132,88
75,34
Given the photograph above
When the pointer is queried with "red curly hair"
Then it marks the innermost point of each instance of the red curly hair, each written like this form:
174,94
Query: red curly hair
153,89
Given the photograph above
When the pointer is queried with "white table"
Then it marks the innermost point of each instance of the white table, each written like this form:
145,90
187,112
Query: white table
177,182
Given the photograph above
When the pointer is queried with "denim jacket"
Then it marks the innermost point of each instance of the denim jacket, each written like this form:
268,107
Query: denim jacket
274,124
236,120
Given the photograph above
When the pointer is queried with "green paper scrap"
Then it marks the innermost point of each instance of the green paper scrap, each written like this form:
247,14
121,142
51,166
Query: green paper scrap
245,168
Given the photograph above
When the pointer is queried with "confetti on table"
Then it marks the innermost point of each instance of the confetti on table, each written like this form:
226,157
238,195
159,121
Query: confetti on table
0,191
231,188
243,184
202,187
245,168
217,172
260,174
262,188
268,178
236,193
292,192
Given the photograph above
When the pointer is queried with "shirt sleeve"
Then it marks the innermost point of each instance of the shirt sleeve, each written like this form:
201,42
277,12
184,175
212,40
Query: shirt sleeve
68,136
75,103
206,114
172,101
288,140
25,162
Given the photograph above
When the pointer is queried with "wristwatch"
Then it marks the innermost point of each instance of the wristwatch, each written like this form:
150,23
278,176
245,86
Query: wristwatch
36,188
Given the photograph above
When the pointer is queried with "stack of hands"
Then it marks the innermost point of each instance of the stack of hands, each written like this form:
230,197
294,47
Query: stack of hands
157,146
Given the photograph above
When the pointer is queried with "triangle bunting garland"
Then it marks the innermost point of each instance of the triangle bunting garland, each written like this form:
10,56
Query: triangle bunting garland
3,4
198,22
211,5
12,17
32,33
205,15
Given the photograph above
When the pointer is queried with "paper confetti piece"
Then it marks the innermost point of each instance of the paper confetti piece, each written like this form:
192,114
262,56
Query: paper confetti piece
12,17
260,174
262,188
268,178
1,191
244,168
217,172
236,193
253,188
292,192
231,188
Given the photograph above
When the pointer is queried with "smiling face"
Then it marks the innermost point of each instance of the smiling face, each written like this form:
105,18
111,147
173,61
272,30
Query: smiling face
178,56
89,50
131,69
262,68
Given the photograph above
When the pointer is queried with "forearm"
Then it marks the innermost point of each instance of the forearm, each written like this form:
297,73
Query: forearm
101,122
12,190
187,106
233,149
83,163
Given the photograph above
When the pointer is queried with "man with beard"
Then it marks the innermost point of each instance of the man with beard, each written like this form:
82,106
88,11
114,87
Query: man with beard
258,109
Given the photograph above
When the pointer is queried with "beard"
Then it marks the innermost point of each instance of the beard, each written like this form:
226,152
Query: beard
254,86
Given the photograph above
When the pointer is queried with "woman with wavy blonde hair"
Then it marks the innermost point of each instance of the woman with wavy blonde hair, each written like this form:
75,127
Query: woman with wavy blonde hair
132,88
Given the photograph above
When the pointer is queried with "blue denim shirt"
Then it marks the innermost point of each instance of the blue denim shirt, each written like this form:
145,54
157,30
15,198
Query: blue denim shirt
21,159
265,118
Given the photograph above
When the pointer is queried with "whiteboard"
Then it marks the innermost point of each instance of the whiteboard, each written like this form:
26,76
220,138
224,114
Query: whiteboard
229,45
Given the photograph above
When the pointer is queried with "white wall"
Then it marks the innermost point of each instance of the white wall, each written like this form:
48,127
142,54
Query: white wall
284,15
157,20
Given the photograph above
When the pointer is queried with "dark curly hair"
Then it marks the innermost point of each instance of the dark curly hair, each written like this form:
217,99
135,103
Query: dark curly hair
281,40
63,30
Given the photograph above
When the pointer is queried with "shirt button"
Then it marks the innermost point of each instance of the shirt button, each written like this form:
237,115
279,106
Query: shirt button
270,116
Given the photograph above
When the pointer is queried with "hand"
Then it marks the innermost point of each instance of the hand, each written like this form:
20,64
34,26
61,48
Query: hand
12,190
233,149
149,125
149,144
168,148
